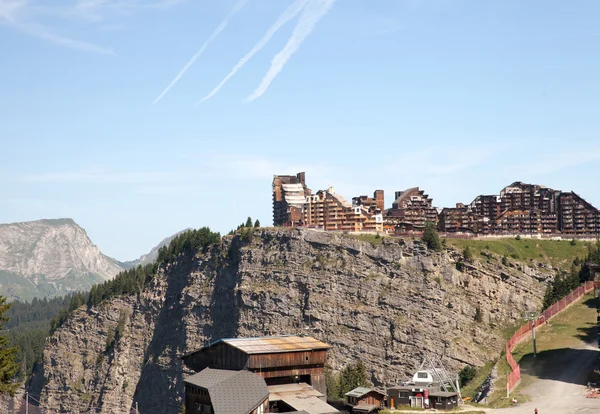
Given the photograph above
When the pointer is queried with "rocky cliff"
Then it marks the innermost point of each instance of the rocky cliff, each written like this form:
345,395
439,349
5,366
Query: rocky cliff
46,257
388,303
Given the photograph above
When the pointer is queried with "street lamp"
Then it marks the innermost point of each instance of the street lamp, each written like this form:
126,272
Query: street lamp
532,316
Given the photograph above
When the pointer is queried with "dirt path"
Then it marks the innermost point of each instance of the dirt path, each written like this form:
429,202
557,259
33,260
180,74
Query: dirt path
559,378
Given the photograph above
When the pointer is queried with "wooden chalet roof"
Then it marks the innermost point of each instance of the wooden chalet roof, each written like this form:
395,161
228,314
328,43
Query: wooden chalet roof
275,344
268,345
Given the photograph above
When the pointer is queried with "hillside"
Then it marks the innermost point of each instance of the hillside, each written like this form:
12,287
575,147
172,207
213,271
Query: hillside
45,258
386,302
151,256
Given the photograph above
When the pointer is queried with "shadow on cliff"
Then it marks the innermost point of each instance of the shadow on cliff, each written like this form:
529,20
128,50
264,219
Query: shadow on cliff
160,387
224,309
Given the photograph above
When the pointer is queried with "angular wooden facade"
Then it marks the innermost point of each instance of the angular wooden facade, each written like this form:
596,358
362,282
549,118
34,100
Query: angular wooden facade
279,360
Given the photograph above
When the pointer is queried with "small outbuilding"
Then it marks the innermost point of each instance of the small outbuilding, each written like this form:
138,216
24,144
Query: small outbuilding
364,395
443,400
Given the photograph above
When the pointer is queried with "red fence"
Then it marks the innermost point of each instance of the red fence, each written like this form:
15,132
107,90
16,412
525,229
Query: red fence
514,377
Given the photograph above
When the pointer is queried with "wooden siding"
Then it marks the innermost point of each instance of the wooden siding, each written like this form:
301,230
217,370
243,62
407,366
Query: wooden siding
218,356
291,372
194,398
287,359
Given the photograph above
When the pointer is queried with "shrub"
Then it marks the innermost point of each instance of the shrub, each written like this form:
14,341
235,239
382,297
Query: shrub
468,254
466,375
478,315
573,242
431,237
518,237
504,260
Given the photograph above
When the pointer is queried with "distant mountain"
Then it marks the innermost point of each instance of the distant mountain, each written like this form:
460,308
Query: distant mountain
45,258
152,255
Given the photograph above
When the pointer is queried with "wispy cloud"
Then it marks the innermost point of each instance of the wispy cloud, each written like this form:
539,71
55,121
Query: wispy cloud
314,11
296,7
32,17
548,163
239,5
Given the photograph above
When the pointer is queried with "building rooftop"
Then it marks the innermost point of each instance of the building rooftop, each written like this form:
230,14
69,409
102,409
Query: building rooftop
301,397
442,394
359,392
249,389
274,344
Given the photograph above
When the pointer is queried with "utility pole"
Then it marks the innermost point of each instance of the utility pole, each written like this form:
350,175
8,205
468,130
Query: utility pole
136,408
532,316
27,402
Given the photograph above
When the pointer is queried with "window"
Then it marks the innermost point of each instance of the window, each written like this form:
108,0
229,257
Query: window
422,375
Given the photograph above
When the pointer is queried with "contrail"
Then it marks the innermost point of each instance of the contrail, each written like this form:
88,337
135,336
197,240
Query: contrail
291,12
238,6
311,15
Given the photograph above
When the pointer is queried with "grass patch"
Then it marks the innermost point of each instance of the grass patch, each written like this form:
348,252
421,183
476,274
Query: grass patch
566,330
374,239
559,253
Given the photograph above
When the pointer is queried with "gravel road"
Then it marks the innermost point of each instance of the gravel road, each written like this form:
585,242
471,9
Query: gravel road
559,383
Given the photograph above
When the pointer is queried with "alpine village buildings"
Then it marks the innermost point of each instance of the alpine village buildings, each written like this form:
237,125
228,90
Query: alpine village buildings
519,209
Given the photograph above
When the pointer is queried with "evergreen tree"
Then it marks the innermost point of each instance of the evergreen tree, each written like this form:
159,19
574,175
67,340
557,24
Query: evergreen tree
431,237
249,222
352,376
257,223
8,366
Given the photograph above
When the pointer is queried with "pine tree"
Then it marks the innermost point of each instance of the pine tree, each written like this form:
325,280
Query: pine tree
257,223
8,366
249,222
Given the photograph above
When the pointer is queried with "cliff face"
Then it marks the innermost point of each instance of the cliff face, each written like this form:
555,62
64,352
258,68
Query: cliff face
388,305
44,257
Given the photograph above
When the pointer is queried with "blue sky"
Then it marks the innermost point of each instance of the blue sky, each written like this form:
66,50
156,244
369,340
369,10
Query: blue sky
459,97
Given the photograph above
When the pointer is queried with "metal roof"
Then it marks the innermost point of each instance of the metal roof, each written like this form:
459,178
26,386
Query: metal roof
359,392
231,392
312,405
301,397
276,344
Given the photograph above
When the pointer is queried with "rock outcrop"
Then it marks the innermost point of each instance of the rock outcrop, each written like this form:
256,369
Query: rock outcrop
45,257
388,305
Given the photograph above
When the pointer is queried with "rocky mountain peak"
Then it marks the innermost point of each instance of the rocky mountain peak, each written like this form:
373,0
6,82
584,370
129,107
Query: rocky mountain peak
44,257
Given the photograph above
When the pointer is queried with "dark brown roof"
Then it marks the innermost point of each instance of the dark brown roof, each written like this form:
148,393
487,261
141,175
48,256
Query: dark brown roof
231,392
442,394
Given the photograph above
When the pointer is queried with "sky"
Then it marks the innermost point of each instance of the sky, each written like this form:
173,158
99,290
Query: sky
139,118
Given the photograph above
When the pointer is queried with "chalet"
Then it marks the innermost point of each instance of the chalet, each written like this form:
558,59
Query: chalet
291,367
215,391
364,396
277,359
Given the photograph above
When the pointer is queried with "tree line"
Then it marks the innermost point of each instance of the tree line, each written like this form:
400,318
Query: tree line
29,323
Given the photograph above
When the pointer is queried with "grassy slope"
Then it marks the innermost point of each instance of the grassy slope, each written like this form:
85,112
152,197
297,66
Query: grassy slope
559,253
566,330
